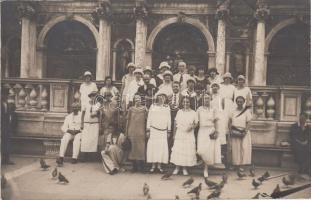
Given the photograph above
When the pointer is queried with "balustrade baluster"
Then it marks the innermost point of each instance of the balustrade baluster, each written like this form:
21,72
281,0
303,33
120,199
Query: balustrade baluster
260,107
33,99
44,97
76,95
22,99
270,107
17,88
28,88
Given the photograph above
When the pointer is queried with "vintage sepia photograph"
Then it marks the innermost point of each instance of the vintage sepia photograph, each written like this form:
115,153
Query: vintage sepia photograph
155,99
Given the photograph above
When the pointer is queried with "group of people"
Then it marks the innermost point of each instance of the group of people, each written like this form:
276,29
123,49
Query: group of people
184,118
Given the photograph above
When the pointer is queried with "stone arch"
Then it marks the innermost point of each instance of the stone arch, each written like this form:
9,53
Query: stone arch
194,22
48,26
276,29
122,39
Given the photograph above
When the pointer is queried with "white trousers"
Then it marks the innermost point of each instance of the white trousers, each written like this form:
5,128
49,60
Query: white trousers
76,144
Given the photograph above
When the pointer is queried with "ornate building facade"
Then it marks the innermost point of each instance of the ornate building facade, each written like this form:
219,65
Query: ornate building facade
46,46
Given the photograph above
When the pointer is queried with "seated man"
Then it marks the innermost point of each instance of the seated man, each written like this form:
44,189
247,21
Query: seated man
300,135
113,154
72,131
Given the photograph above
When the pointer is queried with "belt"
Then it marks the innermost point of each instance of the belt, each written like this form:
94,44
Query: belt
159,129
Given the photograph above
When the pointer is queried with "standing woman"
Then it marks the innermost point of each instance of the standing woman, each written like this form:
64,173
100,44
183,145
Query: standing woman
202,82
241,143
126,80
214,76
242,90
208,142
109,87
164,66
167,86
158,132
184,150
90,125
86,88
136,132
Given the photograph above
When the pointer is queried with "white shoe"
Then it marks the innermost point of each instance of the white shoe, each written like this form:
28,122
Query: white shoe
185,172
175,172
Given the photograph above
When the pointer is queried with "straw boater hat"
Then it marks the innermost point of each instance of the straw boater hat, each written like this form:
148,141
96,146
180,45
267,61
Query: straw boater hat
87,73
191,79
227,75
167,72
164,64
93,93
138,70
148,68
131,65
241,77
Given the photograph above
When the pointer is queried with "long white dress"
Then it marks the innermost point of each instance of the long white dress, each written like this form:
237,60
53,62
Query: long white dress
85,90
165,88
209,149
159,123
222,122
126,80
183,150
89,136
241,147
132,89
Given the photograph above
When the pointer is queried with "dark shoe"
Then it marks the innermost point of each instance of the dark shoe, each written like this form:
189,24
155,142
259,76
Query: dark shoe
74,161
60,161
114,171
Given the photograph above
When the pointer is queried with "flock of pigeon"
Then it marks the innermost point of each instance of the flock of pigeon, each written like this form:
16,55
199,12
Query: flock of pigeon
55,173
215,187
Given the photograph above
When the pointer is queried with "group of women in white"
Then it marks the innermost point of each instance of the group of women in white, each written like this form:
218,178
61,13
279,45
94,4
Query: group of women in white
196,131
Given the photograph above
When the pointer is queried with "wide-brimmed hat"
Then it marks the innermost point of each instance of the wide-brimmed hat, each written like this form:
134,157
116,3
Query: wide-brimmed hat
227,75
138,70
212,70
87,73
164,64
93,93
191,79
168,72
148,68
241,77
131,65
75,105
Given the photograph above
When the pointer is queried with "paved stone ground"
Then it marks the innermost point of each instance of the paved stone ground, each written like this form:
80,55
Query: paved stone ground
89,181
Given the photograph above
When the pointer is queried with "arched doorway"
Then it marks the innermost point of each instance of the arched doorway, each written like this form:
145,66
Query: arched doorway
71,50
289,56
177,42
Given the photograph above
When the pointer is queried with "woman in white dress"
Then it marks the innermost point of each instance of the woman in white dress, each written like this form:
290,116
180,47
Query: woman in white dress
126,80
184,149
208,141
167,86
244,91
108,87
90,125
241,146
158,132
86,88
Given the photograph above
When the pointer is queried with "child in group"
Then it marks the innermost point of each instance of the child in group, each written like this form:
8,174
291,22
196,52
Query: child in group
184,150
208,141
158,132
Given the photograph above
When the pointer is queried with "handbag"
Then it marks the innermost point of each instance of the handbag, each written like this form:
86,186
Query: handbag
237,133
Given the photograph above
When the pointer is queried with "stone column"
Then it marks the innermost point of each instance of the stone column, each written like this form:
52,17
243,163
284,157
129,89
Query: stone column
221,14
103,14
259,68
28,40
141,14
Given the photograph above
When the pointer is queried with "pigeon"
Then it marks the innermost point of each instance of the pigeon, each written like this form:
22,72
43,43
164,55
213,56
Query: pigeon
266,174
214,194
255,184
62,178
176,197
145,189
188,182
166,176
261,179
256,196
43,164
240,174
218,186
289,181
148,197
196,190
54,173
276,190
252,171
209,183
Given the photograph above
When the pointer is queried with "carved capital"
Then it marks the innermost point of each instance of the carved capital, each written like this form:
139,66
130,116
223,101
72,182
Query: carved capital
222,11
26,10
141,11
104,11
262,12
